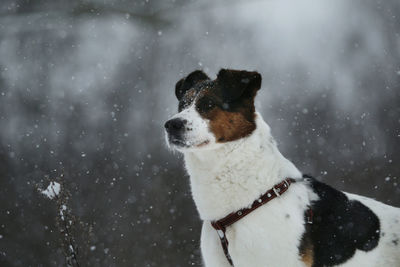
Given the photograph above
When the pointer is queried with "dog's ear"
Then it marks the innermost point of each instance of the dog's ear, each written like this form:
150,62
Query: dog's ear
237,84
187,83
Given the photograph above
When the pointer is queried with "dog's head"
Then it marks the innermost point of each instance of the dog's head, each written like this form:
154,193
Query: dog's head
213,112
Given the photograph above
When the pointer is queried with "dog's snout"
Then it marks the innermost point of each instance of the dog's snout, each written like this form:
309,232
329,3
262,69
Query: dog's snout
175,125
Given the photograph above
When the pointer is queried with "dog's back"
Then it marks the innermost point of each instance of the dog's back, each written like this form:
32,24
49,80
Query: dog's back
388,248
350,230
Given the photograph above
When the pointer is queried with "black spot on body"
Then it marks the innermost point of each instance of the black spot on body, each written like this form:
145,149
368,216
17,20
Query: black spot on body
340,227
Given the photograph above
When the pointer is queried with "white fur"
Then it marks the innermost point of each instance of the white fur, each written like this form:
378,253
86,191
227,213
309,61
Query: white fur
231,176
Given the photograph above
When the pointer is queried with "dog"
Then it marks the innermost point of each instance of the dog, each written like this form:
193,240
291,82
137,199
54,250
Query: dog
257,208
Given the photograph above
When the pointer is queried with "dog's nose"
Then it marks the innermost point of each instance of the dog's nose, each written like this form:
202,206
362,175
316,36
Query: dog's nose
175,125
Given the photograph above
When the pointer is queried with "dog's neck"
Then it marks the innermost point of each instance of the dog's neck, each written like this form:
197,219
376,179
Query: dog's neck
231,177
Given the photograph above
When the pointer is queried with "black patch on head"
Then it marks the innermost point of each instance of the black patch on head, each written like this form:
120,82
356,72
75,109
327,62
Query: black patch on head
228,101
186,101
340,226
183,85
237,84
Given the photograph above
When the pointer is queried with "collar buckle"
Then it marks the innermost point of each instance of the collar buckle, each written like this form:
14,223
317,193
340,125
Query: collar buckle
276,191
286,183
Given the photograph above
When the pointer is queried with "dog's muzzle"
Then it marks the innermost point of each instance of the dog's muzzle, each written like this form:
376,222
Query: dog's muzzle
176,130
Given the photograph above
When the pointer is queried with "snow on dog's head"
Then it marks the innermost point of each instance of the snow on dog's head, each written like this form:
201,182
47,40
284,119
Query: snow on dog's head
213,112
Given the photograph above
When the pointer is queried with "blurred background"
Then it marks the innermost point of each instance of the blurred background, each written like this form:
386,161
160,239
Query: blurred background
86,85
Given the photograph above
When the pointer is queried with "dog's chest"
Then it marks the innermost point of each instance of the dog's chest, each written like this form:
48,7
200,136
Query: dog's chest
271,233
256,242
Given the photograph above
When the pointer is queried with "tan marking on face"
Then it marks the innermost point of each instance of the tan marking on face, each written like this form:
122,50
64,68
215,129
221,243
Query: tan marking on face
308,256
229,126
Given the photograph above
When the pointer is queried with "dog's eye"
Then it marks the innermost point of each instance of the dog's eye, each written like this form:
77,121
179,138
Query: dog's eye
205,104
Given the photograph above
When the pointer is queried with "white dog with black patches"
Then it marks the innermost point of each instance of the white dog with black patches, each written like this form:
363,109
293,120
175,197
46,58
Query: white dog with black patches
257,208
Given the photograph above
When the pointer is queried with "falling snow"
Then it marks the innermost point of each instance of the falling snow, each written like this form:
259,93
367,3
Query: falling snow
86,86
